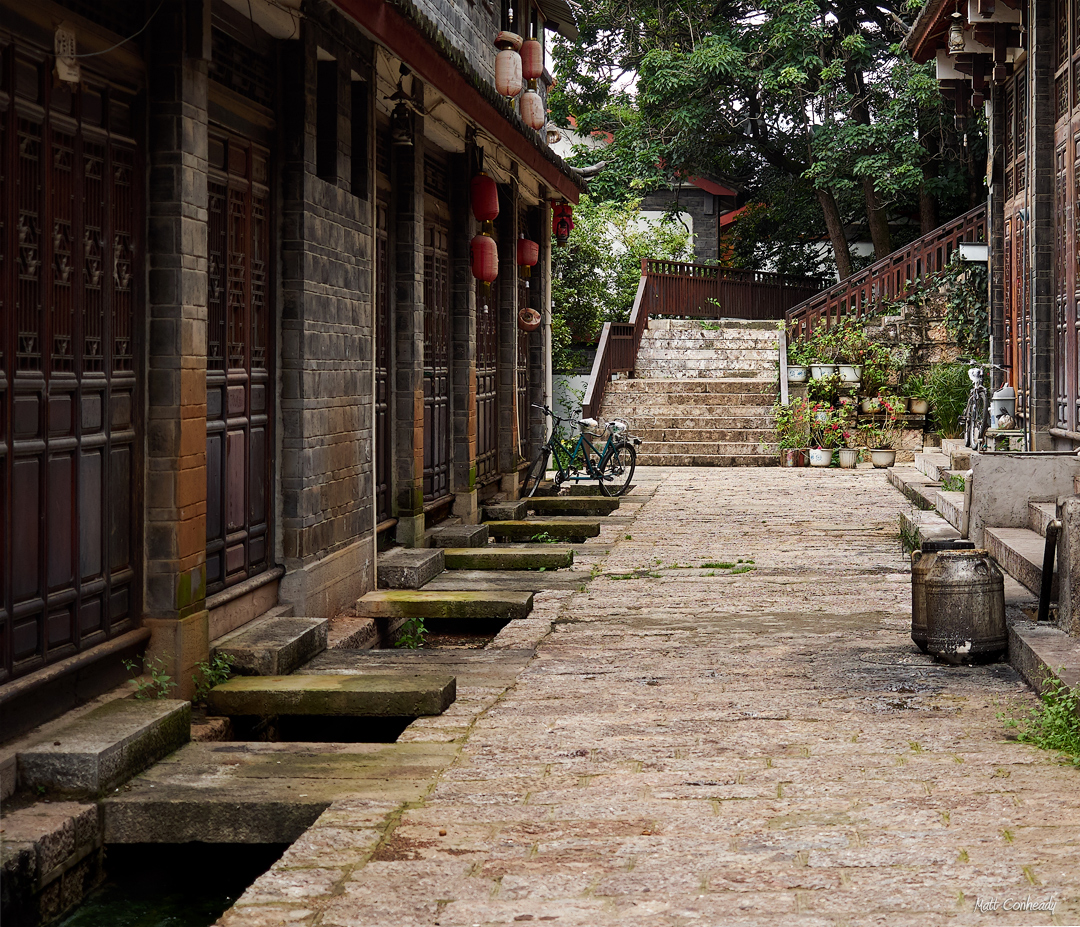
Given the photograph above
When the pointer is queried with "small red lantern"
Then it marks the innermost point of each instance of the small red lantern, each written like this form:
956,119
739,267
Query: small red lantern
532,59
562,223
485,198
508,80
533,113
528,253
485,258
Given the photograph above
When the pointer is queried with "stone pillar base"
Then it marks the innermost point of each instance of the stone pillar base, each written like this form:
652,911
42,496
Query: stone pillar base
508,485
467,507
410,531
179,644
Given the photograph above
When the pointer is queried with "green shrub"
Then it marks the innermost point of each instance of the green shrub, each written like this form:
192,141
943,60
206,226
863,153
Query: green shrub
947,388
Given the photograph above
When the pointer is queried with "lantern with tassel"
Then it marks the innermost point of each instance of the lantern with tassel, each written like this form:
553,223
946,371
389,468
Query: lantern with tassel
528,253
484,196
562,222
533,113
532,59
508,64
484,259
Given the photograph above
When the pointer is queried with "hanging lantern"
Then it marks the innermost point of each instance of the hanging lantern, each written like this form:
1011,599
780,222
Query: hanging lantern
485,258
562,222
528,253
533,113
508,64
529,320
956,35
401,131
532,59
484,196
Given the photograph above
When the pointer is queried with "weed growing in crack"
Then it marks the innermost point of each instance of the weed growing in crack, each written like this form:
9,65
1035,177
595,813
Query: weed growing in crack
1053,724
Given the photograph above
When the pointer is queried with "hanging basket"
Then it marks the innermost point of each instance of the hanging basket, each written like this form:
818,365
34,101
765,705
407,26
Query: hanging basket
528,320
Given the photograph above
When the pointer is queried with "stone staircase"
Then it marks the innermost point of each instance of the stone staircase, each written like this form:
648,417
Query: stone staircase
702,394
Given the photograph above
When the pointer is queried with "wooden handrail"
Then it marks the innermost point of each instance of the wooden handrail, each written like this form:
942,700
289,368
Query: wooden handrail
888,278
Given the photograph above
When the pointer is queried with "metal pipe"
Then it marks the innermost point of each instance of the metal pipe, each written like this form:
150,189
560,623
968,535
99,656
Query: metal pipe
1052,530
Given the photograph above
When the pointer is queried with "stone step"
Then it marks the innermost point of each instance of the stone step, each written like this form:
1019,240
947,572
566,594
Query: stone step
409,567
107,746
950,506
273,646
571,505
707,448
658,421
933,464
695,349
689,373
1042,652
478,604
505,557
458,536
1040,514
502,511
916,485
720,386
375,695
487,668
509,580
558,529
716,435
1019,552
677,413
694,460
745,326
926,525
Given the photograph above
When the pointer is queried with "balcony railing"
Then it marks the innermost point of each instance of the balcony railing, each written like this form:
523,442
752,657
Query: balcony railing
699,291
863,292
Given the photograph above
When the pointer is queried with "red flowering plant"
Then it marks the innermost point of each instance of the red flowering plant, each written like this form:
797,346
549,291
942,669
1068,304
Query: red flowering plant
829,429
882,433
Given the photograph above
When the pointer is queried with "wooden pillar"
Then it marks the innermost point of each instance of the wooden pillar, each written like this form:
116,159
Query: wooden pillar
506,231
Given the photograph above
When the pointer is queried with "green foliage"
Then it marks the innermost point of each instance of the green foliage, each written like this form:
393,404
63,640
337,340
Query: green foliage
824,390
799,353
210,673
952,482
916,387
884,430
967,308
595,276
947,388
150,679
412,634
792,423
1054,724
829,427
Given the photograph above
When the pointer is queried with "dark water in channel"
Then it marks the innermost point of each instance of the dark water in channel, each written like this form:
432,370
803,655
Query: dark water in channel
154,885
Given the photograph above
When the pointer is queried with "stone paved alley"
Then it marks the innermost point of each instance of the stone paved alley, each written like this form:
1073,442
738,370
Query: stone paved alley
702,745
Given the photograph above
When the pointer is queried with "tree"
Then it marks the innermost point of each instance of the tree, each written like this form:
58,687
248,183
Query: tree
806,102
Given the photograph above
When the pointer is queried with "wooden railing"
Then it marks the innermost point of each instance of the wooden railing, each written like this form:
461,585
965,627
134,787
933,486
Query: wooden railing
700,291
863,292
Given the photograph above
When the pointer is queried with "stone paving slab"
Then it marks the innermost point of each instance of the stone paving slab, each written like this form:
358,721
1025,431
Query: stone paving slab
754,748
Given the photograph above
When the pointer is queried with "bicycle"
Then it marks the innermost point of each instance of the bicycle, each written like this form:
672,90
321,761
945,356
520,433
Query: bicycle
613,467
976,418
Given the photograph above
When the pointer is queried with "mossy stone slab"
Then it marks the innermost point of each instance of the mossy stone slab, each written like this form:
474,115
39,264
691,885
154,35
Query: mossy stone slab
538,557
572,505
422,603
391,696
556,529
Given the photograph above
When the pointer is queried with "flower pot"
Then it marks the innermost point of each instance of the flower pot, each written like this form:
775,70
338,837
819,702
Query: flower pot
918,406
817,371
797,374
791,457
821,456
821,416
850,373
849,456
868,406
882,457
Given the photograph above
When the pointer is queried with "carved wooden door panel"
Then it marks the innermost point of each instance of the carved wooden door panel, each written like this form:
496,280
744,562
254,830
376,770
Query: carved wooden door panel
71,307
238,394
487,382
436,334
382,360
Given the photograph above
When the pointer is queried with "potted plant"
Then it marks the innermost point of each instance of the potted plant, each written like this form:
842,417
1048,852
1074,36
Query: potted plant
824,390
852,348
798,362
826,436
918,395
822,346
792,431
880,436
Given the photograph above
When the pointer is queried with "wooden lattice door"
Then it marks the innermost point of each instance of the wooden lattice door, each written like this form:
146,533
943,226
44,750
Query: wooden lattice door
71,231
382,360
436,333
487,382
238,395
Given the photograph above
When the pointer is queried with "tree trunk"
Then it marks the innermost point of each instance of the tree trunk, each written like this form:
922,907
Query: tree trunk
928,220
835,226
877,219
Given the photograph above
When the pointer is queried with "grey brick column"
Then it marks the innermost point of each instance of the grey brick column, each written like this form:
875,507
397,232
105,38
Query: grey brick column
463,345
407,210
175,598
506,233
995,223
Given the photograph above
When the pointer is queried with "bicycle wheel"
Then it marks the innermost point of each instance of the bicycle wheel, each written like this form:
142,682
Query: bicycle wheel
968,419
980,420
617,469
536,474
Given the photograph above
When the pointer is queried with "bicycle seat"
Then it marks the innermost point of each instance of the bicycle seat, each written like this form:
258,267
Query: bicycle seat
588,424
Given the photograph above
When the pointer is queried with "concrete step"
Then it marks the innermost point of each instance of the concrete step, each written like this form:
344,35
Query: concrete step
1040,652
409,567
502,511
478,604
923,525
1019,552
458,536
368,695
951,507
1040,514
273,646
508,580
557,529
717,460
107,746
572,505
487,668
933,464
916,485
518,557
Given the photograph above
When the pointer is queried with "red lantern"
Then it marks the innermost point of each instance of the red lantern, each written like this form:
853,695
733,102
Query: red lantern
485,198
533,113
529,320
532,59
508,80
485,258
562,222
528,253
